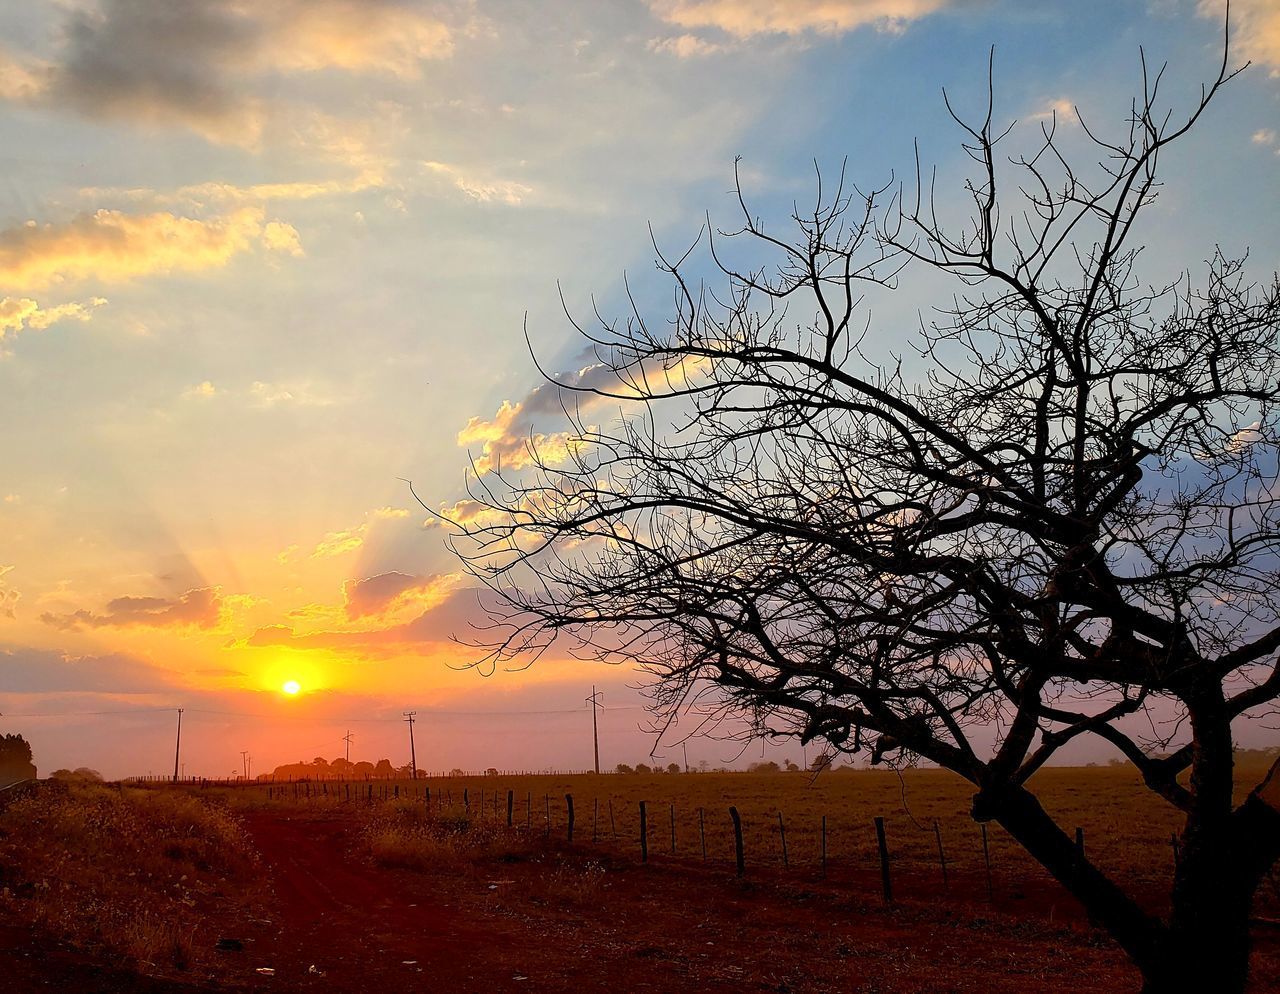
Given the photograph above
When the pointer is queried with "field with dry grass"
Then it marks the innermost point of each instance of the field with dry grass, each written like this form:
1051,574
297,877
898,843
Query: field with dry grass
372,885
130,875
1128,831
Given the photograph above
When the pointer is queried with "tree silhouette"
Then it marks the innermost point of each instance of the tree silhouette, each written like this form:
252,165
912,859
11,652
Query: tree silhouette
1055,518
15,759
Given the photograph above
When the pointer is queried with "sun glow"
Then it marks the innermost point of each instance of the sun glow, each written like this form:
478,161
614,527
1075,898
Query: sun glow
291,687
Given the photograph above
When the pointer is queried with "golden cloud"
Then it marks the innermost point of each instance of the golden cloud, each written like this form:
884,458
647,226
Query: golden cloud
336,543
1256,26
8,596
110,246
355,35
745,18
17,313
505,443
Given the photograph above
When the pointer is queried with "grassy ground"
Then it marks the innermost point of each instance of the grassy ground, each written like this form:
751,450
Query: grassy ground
1128,831
132,875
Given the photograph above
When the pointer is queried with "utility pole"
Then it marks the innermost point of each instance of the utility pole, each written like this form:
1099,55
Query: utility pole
594,701
685,747
413,755
177,747
347,739
244,763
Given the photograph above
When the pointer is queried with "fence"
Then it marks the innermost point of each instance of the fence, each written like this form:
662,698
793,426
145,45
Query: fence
859,841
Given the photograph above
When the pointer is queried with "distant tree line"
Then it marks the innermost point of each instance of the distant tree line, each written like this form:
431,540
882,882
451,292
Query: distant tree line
340,768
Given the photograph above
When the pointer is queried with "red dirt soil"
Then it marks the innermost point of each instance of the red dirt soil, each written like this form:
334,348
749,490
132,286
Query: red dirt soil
334,922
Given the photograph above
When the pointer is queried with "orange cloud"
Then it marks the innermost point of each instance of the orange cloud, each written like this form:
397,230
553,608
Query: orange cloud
199,608
385,593
745,18
448,610
111,246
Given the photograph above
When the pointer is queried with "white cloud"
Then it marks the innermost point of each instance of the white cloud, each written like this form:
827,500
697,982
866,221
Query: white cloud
1061,110
300,394
684,46
482,189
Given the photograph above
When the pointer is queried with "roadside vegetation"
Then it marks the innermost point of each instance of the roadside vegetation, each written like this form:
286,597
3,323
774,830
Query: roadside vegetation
133,876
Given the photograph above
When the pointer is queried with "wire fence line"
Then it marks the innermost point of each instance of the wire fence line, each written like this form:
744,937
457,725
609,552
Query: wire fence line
876,849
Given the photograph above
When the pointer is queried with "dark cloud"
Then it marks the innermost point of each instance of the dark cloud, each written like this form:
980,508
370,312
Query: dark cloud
187,63
377,594
374,594
200,608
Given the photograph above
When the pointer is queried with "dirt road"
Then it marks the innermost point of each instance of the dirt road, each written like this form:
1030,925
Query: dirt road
340,925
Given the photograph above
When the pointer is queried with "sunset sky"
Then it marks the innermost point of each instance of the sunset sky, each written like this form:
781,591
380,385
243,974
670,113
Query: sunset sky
262,261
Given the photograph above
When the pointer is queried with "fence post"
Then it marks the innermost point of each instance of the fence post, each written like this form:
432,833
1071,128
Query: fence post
511,803
568,802
546,799
986,859
673,830
942,856
883,845
644,834
782,832
737,840
613,825
595,818
466,799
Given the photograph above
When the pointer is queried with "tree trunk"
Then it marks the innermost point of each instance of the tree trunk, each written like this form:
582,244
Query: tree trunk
1140,935
1206,946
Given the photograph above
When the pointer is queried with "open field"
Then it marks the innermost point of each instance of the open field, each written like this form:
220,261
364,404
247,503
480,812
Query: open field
1128,831
347,887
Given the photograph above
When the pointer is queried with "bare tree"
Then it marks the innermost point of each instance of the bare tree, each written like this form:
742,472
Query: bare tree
1058,515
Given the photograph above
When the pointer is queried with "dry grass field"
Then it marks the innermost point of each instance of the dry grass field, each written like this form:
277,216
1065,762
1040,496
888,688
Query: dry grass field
375,885
132,875
1128,831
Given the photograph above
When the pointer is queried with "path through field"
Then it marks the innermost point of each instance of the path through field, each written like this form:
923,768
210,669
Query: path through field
339,923
345,926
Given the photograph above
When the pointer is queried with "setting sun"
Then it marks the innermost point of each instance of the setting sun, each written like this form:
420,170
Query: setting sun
291,687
